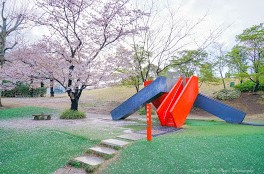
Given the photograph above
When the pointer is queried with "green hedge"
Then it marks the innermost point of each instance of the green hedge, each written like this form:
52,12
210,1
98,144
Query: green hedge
248,86
23,90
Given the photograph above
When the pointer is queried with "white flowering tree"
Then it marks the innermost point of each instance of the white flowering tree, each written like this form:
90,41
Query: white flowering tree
82,34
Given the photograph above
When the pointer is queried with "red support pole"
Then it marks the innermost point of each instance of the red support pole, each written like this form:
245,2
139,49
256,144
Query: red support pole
149,122
148,115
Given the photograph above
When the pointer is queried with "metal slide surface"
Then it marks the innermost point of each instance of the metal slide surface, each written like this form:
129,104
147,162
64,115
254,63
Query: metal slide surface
183,105
163,110
144,96
219,109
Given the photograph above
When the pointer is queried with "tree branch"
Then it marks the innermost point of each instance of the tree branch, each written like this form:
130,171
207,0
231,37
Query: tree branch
10,48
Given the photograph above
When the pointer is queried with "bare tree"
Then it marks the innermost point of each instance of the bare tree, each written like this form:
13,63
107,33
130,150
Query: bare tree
11,21
219,60
169,32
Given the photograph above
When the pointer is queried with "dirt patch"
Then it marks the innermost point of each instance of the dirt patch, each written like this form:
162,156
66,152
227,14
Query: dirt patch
93,120
251,104
54,103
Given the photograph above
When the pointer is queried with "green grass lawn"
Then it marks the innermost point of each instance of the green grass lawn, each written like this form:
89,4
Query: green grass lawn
38,151
22,112
203,147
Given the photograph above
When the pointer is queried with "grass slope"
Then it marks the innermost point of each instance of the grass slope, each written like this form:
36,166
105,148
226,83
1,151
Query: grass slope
21,112
38,151
204,147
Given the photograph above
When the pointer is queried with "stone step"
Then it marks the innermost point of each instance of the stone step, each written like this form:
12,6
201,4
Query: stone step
90,160
115,143
132,136
103,150
70,170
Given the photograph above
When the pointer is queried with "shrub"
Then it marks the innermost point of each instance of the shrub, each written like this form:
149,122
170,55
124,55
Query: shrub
71,114
261,86
248,86
24,90
225,94
245,86
39,92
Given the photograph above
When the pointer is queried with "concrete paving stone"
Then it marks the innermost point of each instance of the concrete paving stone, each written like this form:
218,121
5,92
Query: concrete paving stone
132,136
115,142
154,132
90,160
103,150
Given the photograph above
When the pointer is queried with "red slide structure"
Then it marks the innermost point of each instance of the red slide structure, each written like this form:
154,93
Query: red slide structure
174,107
174,103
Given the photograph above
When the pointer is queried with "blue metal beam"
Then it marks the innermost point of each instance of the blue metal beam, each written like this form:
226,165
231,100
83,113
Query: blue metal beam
219,109
140,99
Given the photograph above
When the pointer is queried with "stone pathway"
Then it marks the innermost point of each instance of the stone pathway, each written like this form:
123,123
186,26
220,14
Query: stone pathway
108,148
160,130
132,136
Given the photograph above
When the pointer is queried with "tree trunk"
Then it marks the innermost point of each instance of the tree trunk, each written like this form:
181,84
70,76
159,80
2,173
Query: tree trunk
42,86
137,88
75,96
256,86
51,88
223,80
1,98
31,92
74,104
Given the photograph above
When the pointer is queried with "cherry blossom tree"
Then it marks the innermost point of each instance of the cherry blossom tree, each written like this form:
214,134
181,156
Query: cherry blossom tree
30,64
12,20
83,33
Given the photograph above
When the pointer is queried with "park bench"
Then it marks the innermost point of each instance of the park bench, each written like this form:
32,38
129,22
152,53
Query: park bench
41,116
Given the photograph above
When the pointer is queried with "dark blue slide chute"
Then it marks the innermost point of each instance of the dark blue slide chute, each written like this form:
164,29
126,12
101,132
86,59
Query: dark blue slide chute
140,99
219,109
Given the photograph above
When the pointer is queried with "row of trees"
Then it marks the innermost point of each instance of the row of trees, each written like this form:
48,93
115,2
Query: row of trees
244,61
87,44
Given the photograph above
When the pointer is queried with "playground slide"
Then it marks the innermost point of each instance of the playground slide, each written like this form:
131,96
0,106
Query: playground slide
151,92
219,109
183,105
157,102
163,110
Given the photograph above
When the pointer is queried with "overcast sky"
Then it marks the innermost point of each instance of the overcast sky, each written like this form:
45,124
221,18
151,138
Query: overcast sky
241,14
